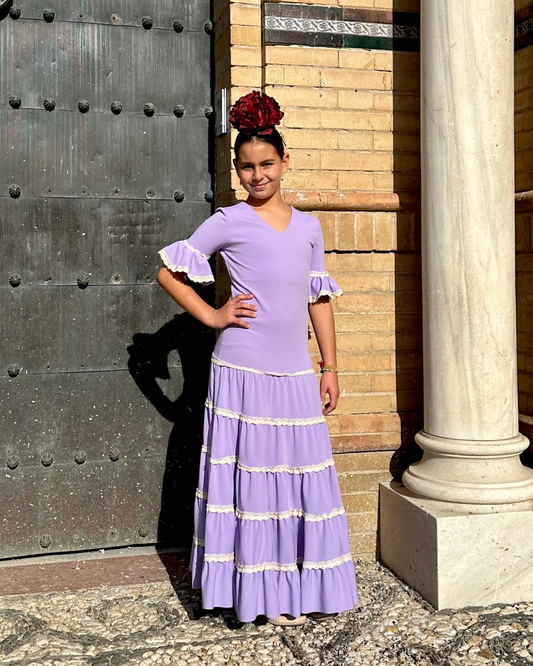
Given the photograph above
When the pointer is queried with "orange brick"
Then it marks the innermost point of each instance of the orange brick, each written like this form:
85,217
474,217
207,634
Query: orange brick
343,263
384,61
351,78
370,323
365,231
358,462
363,501
301,96
364,282
301,118
346,231
353,342
245,35
246,76
385,231
310,180
383,141
355,161
384,383
355,59
366,121
371,303
364,404
295,138
355,140
366,362
355,383
245,15
301,55
305,159
357,181
355,99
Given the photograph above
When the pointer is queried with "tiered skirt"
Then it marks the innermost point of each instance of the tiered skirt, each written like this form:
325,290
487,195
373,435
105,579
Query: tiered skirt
271,534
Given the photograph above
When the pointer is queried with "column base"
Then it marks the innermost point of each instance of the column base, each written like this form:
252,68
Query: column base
480,472
455,558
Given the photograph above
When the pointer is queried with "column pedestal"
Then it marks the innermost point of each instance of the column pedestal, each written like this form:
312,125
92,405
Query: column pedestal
457,555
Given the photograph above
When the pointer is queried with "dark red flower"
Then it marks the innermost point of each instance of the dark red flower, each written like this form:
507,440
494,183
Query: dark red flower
255,113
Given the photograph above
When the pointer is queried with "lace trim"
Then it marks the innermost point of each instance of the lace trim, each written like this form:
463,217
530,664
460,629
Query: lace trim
184,269
205,449
325,292
200,494
220,508
261,420
276,566
286,468
223,461
193,249
218,361
290,513
198,542
229,557
328,564
319,274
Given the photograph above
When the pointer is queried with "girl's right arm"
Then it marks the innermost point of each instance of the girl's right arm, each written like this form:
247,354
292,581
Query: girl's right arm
176,285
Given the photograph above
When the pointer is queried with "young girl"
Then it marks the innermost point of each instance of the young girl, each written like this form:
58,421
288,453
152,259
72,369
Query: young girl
271,535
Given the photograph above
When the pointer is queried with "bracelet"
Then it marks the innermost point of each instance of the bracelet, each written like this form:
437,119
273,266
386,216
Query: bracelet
327,367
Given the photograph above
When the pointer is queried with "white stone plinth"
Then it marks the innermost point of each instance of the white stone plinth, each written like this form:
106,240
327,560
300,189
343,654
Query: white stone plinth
454,555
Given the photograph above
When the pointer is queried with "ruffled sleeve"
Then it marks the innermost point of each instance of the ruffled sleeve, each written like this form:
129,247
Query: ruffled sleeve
191,255
320,281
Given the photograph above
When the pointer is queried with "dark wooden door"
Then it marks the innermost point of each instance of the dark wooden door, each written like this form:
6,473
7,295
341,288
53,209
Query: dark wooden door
105,142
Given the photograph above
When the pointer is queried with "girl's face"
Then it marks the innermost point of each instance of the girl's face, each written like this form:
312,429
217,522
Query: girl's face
260,168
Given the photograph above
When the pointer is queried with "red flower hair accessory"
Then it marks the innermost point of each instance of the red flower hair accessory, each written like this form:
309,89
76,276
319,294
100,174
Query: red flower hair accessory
255,113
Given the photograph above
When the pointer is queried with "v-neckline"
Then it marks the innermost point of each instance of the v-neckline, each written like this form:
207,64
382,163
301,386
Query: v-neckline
268,225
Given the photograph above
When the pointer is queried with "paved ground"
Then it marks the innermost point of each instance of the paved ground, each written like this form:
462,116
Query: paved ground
162,623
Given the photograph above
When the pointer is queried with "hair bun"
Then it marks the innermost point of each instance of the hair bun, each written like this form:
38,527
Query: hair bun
255,113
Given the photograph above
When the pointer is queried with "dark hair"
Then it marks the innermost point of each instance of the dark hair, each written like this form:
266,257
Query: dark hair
275,139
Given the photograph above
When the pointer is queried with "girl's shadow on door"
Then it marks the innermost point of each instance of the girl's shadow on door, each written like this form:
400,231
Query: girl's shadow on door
178,353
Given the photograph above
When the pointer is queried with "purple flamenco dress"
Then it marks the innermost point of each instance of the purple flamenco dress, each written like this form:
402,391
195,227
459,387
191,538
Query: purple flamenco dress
271,533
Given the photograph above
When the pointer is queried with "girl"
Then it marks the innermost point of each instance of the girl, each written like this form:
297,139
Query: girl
271,535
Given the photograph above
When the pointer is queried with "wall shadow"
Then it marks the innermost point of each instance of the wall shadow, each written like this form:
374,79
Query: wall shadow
148,363
407,269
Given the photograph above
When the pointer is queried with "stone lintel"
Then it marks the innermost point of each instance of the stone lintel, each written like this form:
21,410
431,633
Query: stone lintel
457,556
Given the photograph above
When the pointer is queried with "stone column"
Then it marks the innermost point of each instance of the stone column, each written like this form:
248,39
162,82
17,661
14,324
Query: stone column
470,474
470,439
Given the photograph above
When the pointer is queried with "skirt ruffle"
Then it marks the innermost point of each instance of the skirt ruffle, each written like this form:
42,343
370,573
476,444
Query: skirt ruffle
271,534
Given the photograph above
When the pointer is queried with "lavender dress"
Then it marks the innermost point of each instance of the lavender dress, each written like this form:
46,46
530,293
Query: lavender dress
271,534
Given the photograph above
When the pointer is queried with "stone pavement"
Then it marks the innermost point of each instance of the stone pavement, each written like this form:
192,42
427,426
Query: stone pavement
162,623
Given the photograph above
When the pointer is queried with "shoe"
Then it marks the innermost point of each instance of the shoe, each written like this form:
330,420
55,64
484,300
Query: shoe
284,621
321,617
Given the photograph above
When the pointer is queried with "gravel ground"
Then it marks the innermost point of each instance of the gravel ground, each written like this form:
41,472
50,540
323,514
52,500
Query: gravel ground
162,623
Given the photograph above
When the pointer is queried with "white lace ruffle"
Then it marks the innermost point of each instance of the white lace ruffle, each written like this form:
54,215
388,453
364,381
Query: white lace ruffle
263,420
304,469
286,468
328,564
220,508
227,460
219,361
200,494
193,249
225,557
290,513
198,542
319,274
276,566
205,449
325,292
184,269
